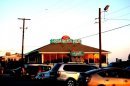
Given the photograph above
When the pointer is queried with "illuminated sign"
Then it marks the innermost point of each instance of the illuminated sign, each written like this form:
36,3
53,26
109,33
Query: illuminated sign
65,41
77,53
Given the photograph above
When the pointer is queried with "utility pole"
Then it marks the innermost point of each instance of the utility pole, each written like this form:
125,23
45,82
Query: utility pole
100,39
23,19
100,48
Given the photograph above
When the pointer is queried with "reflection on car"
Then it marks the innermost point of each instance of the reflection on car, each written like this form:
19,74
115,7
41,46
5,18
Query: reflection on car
43,75
105,77
128,68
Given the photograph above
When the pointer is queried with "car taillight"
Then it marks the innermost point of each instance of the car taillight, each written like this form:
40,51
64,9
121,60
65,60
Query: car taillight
58,73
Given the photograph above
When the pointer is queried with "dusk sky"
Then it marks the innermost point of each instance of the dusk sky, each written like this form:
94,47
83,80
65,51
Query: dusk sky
51,19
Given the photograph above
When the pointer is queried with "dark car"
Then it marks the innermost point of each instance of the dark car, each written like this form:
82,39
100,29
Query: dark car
128,68
15,73
105,77
33,69
121,64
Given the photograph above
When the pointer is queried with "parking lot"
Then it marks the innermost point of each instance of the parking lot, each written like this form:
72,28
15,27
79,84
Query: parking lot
22,82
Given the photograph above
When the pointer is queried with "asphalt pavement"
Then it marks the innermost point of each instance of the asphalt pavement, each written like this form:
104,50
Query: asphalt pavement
8,82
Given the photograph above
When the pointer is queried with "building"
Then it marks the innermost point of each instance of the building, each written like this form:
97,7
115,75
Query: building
11,57
66,50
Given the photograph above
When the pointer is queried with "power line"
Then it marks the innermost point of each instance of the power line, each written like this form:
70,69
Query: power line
119,10
124,15
116,28
105,31
118,19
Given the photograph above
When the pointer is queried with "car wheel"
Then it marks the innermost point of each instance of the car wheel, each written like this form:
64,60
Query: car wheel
71,82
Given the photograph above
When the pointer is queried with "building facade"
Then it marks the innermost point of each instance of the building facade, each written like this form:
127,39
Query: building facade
66,50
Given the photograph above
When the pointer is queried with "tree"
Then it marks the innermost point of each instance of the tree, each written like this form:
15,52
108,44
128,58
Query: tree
8,54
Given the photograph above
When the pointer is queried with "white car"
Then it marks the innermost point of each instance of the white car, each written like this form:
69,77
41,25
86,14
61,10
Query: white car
68,73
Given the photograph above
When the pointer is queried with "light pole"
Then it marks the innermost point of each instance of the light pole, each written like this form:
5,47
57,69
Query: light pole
23,19
100,39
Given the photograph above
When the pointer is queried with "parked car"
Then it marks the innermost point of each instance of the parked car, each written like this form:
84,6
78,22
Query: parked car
121,64
68,73
33,69
128,68
1,69
14,72
105,77
10,74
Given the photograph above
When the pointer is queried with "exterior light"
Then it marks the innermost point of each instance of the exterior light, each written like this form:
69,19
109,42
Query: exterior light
106,8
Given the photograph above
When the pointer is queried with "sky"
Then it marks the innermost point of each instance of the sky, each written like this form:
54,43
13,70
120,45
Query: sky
51,19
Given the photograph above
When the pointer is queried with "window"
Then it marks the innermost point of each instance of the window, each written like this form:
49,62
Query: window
71,68
112,73
78,68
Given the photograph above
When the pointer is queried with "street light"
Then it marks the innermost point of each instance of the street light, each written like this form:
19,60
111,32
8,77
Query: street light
106,8
100,44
